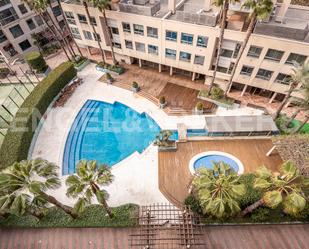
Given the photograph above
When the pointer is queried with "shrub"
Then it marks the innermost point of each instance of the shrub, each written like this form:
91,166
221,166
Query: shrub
162,100
252,194
115,68
4,72
194,204
216,93
16,143
108,76
260,215
199,106
36,61
135,84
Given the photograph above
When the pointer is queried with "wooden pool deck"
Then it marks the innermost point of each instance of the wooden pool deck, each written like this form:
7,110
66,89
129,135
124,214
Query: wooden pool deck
174,174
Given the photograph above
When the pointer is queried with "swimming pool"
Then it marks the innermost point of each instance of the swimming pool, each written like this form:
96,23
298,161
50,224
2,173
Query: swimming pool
107,133
206,159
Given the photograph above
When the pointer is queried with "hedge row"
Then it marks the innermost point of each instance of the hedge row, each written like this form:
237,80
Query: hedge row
16,143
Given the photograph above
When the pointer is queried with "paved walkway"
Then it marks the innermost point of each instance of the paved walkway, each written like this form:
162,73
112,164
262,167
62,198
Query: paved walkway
216,237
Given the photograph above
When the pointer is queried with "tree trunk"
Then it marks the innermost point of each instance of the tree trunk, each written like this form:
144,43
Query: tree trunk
93,29
58,204
108,210
303,124
292,117
252,207
241,51
109,37
222,28
68,28
36,215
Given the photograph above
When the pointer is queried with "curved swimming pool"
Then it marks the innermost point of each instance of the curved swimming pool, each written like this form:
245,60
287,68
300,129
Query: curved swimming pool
206,159
107,133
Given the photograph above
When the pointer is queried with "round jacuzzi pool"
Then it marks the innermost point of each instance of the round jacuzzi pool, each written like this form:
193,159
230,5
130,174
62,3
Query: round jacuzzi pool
206,159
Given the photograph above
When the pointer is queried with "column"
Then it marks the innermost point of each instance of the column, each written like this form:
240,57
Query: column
193,76
273,98
171,71
160,68
139,62
287,104
244,90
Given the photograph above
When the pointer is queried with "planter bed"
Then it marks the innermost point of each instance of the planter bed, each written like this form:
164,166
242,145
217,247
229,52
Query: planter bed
109,68
222,103
81,65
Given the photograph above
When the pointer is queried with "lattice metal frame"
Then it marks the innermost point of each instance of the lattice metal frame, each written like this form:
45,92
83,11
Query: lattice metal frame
166,227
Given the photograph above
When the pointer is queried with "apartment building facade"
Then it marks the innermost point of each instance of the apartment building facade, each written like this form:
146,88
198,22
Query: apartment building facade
17,24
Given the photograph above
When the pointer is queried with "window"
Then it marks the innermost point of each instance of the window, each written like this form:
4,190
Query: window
246,70
274,55
7,16
22,8
70,17
152,49
38,20
152,32
114,31
10,50
171,35
199,60
170,53
116,44
129,44
16,31
283,79
75,33
226,53
138,29
140,46
202,41
222,69
264,74
186,38
97,37
82,18
30,24
254,51
93,21
87,35
24,45
126,27
300,59
56,10
184,56
4,2
2,37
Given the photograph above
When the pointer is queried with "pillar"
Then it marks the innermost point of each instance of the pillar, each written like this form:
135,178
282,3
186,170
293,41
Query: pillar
207,5
160,68
139,62
273,98
172,6
287,104
193,76
244,90
171,71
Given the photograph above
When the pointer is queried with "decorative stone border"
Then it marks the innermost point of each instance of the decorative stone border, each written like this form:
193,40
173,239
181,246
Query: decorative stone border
219,153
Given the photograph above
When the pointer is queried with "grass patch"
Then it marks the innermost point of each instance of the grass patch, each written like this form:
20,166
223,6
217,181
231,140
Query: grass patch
94,216
282,120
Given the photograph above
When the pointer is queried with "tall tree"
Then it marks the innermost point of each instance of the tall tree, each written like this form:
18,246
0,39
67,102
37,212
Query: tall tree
224,4
299,76
260,9
218,190
33,177
102,5
86,183
93,29
285,188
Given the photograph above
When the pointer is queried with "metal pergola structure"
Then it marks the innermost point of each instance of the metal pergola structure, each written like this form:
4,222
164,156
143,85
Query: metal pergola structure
165,226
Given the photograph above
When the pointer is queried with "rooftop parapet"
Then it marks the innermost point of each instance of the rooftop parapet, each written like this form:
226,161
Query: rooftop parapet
140,7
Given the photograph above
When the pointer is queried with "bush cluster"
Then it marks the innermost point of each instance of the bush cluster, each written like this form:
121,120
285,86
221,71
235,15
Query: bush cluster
16,143
115,68
36,61
216,93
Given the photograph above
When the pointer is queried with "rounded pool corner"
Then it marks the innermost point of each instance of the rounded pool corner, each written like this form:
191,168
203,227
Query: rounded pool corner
217,153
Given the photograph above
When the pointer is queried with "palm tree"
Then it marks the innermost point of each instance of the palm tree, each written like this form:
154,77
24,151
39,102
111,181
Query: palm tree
218,190
300,75
33,177
224,4
93,29
260,10
102,5
284,188
86,184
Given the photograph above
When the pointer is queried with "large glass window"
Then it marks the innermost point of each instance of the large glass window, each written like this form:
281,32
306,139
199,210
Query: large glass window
117,45
126,27
115,31
254,51
96,37
186,38
82,18
24,45
70,17
87,35
171,35
152,49
274,55
75,33
30,24
138,29
7,16
184,56
4,2
10,50
93,21
16,31
264,74
226,53
140,46
56,10
202,41
22,8
199,59
170,53
283,79
152,32
246,70
2,37
300,59
129,44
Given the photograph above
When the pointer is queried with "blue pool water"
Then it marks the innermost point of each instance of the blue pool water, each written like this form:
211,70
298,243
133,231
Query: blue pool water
207,161
107,133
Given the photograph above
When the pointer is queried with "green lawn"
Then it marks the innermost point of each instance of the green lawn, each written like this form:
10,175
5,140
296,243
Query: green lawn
305,129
